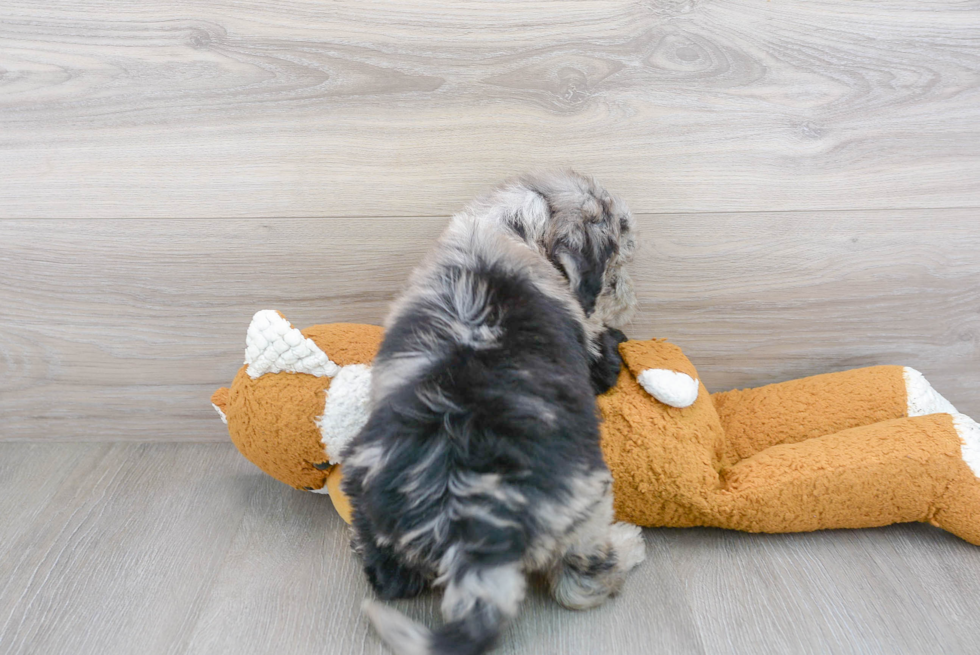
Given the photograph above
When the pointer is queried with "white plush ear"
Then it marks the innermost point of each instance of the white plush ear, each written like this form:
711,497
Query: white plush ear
274,346
669,387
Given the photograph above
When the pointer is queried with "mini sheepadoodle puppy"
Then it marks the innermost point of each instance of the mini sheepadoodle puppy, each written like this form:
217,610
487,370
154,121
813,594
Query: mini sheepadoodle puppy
480,462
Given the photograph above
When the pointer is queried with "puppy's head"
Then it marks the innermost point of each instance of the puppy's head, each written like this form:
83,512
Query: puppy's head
585,232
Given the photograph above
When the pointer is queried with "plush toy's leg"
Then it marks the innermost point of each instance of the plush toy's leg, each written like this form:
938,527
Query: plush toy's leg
958,511
909,469
789,412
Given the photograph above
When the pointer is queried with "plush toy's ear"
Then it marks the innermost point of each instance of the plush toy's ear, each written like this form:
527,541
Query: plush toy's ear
219,400
662,370
274,346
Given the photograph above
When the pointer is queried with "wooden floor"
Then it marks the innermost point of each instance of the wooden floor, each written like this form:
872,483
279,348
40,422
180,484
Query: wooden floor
806,178
187,548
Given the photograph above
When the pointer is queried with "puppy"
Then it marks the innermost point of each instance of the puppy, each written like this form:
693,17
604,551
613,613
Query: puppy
480,462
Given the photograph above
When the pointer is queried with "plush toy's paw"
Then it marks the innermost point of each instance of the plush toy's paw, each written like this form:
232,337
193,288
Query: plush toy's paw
273,346
958,511
669,387
969,433
922,398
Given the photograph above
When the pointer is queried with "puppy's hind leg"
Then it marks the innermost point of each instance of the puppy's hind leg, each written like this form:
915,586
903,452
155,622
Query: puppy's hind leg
479,600
596,564
390,577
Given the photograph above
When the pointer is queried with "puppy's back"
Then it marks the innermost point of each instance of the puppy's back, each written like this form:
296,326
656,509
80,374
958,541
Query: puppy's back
482,435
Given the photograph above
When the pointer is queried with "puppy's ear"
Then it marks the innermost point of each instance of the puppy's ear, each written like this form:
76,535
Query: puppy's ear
584,266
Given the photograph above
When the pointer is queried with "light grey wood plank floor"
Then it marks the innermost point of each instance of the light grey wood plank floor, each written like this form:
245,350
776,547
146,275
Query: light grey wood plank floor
187,548
123,329
308,108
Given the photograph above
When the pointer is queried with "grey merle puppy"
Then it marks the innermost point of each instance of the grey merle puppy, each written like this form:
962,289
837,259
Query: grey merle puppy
480,462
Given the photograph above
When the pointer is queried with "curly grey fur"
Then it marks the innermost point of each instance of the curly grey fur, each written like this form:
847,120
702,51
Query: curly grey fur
480,462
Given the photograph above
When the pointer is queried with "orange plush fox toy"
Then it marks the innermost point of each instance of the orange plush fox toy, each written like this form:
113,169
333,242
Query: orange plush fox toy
861,448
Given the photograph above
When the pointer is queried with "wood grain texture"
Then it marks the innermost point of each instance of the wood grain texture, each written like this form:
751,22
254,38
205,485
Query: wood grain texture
170,549
123,329
760,298
841,591
124,551
111,108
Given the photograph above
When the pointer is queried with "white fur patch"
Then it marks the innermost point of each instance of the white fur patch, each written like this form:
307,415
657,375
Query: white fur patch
370,458
619,544
969,432
346,409
922,398
272,345
397,371
224,419
627,541
501,587
669,387
403,635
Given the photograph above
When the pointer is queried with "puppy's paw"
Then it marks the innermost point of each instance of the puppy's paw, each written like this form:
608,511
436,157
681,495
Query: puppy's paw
605,369
391,585
391,579
627,541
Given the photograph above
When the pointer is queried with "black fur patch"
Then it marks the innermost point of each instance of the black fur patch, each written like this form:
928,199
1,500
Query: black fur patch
605,369
481,454
518,407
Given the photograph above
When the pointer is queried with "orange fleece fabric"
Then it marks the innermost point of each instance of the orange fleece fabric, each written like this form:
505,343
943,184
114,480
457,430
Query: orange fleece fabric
664,460
272,418
828,451
755,419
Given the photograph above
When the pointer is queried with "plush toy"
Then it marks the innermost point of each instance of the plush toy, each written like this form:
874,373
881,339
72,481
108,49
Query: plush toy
861,448
291,409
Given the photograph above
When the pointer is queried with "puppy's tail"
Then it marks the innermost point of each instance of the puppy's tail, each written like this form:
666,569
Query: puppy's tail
477,604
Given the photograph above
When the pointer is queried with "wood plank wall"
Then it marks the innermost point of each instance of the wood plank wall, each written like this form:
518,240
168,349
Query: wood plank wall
121,329
806,175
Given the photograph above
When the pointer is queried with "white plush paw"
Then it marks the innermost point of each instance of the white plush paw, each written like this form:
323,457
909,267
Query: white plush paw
969,432
274,346
922,398
669,387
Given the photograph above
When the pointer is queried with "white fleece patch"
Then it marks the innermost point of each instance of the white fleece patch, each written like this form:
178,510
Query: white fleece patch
346,409
669,387
922,398
969,432
272,345
224,419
